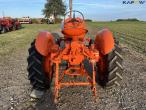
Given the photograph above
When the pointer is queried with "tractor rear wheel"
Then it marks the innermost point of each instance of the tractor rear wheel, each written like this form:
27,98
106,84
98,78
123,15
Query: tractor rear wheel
38,78
56,38
109,68
17,27
3,30
14,27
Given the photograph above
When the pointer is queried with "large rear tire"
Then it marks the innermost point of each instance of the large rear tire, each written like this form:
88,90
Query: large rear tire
110,68
38,78
3,30
56,38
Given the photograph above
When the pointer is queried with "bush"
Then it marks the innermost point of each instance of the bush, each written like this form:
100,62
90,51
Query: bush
44,21
36,21
88,20
58,20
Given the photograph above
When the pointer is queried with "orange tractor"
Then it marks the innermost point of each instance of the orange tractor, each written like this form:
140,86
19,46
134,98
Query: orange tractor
73,55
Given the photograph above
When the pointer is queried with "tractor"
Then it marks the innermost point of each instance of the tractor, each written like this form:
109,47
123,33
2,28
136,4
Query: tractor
4,25
8,24
16,24
25,20
52,57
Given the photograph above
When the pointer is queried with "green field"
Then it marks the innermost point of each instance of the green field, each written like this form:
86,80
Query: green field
132,34
133,28
11,41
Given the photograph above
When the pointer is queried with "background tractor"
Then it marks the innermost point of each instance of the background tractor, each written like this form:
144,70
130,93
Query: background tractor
99,60
8,24
51,20
25,20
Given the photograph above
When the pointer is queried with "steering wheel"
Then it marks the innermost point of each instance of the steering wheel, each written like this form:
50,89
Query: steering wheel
74,16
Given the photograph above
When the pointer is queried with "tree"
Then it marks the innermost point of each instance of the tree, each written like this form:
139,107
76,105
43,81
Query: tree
54,7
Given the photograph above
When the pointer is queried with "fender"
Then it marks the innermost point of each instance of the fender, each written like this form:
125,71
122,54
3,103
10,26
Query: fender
104,41
44,43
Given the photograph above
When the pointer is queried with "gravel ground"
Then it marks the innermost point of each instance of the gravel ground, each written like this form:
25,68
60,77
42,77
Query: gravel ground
15,88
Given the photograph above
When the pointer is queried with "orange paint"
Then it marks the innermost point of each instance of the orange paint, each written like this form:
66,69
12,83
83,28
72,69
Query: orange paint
44,43
104,41
75,30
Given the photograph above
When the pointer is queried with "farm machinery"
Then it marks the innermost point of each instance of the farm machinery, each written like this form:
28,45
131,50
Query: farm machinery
25,20
99,60
8,24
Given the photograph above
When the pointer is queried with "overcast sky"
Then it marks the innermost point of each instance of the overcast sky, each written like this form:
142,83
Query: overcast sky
100,10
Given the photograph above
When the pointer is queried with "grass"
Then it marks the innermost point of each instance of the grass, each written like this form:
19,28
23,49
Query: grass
127,32
11,41
132,34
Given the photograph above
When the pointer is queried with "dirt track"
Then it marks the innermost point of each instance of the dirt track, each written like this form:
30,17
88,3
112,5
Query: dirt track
15,88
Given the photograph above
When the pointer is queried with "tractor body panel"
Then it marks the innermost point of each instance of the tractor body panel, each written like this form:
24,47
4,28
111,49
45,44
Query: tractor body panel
47,66
74,29
104,41
44,43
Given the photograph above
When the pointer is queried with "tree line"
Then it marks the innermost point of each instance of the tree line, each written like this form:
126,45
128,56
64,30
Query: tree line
129,19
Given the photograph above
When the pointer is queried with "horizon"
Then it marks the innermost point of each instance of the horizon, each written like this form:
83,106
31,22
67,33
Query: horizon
92,9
